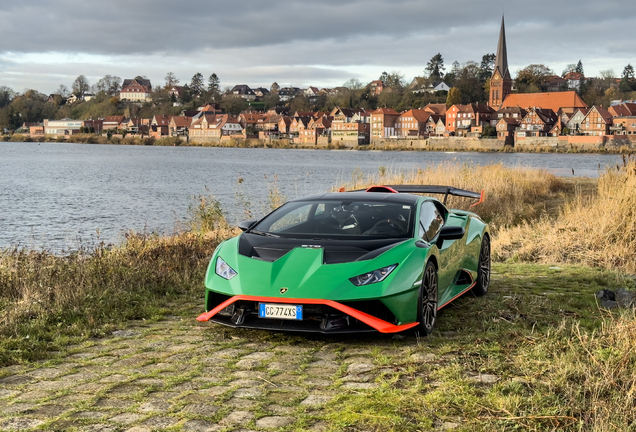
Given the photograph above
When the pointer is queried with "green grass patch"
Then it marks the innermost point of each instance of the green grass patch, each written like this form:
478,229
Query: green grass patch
516,359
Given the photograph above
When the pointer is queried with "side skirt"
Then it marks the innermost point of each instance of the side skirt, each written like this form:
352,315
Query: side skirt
464,291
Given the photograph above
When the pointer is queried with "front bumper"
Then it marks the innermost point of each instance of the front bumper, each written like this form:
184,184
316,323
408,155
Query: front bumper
325,316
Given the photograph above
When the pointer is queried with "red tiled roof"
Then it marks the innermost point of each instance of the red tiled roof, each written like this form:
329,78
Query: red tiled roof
180,121
436,108
553,101
418,114
162,120
386,111
604,113
574,76
113,119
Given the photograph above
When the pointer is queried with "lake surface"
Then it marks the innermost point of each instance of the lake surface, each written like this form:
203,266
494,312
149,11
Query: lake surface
56,195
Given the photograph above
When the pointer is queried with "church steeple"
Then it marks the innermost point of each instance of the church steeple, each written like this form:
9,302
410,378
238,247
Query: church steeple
500,82
501,61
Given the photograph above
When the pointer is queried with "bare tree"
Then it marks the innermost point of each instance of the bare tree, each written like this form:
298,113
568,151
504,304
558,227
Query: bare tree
171,80
80,86
63,91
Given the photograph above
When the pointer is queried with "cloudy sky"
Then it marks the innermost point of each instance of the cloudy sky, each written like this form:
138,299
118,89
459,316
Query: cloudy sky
45,43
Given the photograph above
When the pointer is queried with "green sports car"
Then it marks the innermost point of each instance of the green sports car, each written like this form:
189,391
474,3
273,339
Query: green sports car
383,259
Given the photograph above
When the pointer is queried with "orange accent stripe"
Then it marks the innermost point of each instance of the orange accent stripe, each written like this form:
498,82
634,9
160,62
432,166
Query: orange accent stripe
458,295
378,324
481,198
383,188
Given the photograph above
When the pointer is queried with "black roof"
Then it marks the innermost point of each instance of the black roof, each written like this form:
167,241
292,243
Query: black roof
398,198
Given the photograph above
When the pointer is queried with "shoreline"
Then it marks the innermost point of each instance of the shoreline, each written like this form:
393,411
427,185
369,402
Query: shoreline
390,145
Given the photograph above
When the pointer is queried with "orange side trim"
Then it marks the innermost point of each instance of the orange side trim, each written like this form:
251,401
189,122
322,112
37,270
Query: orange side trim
458,295
481,199
378,324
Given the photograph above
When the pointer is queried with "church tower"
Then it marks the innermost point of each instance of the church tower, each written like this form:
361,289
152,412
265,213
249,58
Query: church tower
500,82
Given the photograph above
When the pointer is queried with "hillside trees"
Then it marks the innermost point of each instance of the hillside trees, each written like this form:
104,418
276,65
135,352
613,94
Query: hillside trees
81,86
171,80
531,79
435,67
196,84
110,85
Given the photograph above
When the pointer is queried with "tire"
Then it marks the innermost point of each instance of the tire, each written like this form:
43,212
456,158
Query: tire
427,300
483,268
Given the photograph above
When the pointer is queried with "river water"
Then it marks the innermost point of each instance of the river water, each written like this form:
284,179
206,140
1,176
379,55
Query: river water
57,196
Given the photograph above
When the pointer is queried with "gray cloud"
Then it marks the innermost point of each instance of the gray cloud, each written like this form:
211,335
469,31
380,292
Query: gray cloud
301,43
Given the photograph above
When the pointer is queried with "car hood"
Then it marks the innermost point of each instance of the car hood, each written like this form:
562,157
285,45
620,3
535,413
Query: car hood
304,273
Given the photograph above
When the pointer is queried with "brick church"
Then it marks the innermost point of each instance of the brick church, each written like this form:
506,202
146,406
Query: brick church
501,95
501,82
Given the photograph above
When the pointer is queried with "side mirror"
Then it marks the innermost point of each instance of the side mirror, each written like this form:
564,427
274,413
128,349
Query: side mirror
450,233
245,225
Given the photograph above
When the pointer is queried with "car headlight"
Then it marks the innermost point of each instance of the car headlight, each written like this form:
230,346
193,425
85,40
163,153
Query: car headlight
224,270
373,277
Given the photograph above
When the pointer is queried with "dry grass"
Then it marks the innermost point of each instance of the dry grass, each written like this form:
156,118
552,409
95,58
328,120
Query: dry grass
598,230
46,298
596,373
512,194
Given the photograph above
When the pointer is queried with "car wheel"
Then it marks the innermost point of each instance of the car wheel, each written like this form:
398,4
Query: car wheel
427,305
483,268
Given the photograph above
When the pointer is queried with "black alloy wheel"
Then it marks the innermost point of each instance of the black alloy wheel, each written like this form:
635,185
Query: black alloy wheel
483,268
427,307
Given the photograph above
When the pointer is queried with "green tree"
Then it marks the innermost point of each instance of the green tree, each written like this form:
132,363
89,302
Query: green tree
627,83
454,97
489,131
487,67
531,79
271,100
214,84
299,103
233,104
469,84
6,96
196,85
579,68
435,67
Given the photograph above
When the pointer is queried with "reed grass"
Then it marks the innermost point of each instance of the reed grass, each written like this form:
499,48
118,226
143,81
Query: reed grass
45,299
598,230
511,194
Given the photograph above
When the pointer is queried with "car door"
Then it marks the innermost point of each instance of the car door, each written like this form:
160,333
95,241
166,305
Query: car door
433,217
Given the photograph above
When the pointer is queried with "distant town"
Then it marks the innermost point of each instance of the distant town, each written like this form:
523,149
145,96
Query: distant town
471,101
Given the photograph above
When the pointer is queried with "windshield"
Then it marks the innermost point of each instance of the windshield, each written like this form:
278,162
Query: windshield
335,218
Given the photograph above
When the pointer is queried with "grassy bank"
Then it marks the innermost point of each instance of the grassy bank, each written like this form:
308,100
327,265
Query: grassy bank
97,139
536,353
596,230
285,144
48,300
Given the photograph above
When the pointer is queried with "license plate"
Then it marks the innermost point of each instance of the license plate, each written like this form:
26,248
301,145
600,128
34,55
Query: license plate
280,311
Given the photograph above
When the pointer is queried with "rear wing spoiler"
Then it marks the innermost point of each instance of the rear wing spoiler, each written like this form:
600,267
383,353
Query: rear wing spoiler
427,189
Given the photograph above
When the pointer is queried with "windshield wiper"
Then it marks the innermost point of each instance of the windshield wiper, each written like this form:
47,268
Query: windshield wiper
264,234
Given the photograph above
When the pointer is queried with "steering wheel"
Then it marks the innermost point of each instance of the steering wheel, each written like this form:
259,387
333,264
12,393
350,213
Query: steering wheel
340,223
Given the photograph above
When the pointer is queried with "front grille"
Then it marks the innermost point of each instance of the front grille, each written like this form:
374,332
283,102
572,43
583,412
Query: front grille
316,318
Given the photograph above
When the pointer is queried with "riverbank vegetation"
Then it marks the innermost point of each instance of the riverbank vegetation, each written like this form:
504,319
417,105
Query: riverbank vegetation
536,353
595,230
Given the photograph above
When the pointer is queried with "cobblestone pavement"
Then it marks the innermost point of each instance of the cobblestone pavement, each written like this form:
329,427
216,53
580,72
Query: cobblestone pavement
178,374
